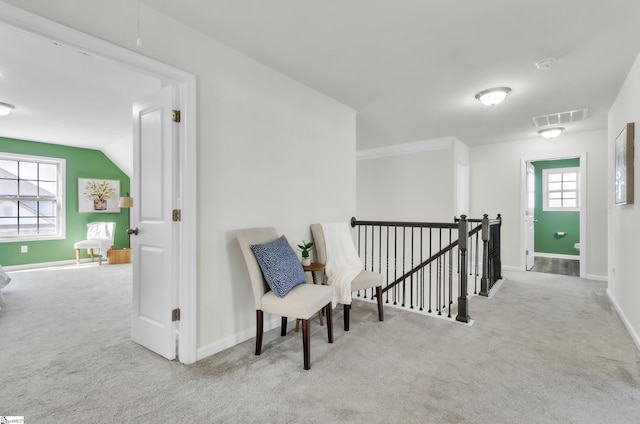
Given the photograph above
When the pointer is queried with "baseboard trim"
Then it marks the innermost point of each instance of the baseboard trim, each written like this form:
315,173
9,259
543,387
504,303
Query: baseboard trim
234,339
512,268
627,324
557,256
45,265
602,278
496,286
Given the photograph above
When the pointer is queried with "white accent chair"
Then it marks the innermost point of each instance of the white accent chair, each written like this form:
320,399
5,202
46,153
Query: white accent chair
302,302
364,280
99,240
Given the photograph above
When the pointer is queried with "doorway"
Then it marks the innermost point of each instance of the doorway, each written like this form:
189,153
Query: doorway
554,235
185,85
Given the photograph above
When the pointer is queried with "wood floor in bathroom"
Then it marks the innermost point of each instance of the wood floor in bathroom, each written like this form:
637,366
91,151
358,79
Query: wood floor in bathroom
557,266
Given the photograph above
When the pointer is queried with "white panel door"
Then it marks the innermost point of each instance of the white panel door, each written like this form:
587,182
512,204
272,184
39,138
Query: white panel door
529,218
154,192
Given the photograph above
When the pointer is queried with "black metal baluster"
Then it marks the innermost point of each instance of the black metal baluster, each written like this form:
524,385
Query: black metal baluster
421,270
404,260
395,264
475,280
450,275
430,267
387,254
411,278
380,252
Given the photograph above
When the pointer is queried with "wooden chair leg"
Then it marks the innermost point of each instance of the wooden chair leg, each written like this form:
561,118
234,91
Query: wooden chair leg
259,331
380,311
327,310
78,257
283,327
305,343
346,317
91,254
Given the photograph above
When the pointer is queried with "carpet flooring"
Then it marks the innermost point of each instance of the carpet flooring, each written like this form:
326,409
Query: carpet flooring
538,352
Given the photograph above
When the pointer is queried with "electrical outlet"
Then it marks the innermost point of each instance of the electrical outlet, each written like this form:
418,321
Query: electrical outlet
24,249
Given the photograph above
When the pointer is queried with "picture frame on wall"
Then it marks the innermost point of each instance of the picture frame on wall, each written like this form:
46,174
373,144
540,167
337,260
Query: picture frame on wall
97,195
623,167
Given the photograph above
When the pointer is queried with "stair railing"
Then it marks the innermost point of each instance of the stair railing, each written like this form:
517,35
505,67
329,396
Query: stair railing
418,261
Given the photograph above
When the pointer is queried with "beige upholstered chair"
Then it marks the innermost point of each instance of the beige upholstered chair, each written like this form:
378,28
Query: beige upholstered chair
99,240
302,302
363,280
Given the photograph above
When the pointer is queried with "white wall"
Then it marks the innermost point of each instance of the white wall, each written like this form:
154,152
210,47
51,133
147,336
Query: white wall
407,184
496,189
461,174
271,152
624,221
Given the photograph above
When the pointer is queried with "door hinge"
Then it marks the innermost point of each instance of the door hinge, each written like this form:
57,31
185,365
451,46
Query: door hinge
176,116
177,215
175,315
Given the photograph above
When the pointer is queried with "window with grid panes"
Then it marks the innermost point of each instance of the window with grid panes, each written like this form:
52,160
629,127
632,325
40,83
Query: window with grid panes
31,197
561,189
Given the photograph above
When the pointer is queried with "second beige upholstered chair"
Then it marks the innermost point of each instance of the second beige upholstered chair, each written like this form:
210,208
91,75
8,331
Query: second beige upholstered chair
362,280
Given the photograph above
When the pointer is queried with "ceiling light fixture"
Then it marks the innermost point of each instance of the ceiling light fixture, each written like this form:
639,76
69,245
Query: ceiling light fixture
493,96
545,64
6,108
551,132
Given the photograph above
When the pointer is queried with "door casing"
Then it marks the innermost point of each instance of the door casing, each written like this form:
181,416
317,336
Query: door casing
583,204
186,86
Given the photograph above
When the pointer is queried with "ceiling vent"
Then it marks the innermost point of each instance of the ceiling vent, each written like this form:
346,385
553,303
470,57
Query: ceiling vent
560,118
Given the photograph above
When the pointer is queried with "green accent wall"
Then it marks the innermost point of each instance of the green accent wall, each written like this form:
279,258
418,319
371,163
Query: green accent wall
80,163
549,223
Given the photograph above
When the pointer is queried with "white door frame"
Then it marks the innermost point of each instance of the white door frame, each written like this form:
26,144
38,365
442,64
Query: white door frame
529,227
186,86
583,204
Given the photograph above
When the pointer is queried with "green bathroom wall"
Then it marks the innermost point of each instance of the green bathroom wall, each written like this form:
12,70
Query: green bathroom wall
550,222
80,163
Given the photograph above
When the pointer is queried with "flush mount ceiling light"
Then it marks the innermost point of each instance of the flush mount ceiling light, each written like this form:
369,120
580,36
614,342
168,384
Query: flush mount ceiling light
551,132
6,108
493,96
545,64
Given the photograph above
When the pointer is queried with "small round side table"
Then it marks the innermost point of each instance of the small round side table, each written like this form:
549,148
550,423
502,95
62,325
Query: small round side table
312,268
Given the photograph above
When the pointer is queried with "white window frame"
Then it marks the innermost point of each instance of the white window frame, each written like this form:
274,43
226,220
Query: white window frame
60,198
546,191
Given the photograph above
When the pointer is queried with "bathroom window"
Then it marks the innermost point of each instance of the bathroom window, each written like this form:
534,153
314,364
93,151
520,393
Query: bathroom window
561,189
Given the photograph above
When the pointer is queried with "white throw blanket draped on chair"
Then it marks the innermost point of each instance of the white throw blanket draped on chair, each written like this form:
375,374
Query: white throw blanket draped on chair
343,263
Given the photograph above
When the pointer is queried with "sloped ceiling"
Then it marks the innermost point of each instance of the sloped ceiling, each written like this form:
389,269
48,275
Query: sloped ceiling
66,96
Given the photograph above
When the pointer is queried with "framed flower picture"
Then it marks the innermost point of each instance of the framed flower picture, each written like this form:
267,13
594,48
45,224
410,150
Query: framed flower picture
623,167
98,196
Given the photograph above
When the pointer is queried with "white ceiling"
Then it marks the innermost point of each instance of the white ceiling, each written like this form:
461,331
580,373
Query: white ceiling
410,68
64,96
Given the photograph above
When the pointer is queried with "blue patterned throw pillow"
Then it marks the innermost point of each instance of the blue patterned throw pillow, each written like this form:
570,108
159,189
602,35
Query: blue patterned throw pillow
280,266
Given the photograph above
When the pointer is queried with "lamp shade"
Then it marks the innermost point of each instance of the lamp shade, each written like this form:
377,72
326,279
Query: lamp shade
125,202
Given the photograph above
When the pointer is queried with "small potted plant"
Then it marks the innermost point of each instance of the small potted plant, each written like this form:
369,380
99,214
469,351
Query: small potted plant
305,248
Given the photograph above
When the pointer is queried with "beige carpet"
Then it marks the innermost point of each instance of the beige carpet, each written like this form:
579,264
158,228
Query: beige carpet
538,352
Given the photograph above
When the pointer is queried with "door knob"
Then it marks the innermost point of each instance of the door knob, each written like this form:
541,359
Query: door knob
130,231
